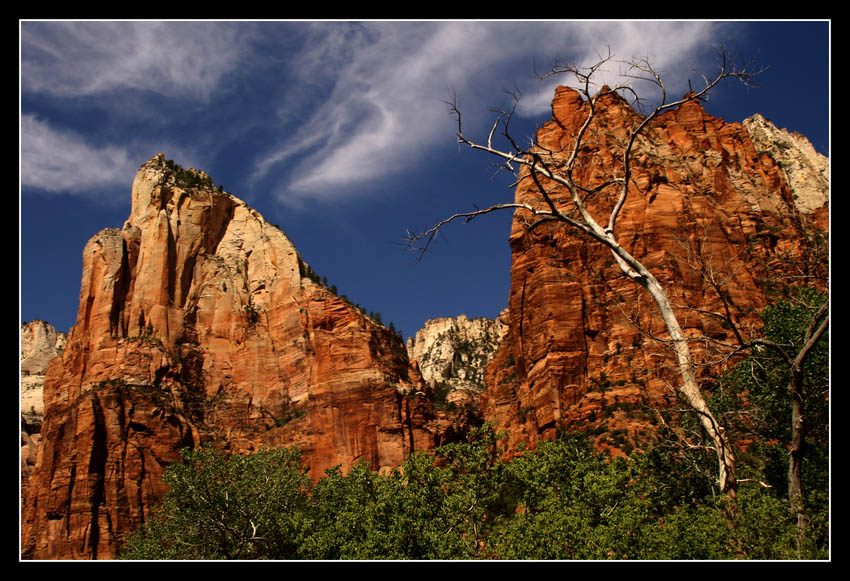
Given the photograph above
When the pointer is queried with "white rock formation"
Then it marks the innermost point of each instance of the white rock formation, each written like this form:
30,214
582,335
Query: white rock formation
39,344
806,170
452,352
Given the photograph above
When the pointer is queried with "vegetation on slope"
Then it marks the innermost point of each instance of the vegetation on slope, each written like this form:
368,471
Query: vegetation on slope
563,500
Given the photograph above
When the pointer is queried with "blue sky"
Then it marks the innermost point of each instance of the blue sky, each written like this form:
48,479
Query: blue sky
338,132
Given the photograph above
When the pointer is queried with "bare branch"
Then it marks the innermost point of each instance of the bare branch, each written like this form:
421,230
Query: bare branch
564,199
813,334
412,238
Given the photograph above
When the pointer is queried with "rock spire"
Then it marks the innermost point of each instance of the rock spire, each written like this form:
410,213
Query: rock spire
715,207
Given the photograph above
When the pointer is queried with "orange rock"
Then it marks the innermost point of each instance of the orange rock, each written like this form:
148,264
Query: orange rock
197,325
704,197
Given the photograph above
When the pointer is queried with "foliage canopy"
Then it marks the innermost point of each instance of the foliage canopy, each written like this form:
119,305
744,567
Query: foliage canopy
562,500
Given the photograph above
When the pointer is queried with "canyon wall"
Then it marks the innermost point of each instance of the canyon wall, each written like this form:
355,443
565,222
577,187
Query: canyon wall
715,216
198,324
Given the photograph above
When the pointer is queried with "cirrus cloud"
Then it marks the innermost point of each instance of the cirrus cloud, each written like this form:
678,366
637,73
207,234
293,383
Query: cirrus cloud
71,59
60,161
383,112
321,110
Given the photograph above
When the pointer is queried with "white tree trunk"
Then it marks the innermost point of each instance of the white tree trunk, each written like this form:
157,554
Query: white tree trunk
689,387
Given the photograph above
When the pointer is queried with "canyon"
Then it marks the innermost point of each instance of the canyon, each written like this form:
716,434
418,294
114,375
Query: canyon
200,324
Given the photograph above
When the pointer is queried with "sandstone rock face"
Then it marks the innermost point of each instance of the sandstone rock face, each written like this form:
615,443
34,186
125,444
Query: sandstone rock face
452,352
711,210
39,344
197,325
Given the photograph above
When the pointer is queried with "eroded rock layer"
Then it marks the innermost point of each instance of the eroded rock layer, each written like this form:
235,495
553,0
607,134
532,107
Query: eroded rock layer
197,325
711,211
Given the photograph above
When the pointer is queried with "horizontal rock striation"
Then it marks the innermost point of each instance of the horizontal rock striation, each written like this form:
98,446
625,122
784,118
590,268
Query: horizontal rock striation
715,217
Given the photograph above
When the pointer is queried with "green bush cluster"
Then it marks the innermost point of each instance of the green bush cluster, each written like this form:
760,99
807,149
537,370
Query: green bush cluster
562,500
252,315
442,389
187,178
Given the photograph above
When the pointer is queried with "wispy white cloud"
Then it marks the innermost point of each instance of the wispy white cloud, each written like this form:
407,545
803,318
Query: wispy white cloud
73,62
61,161
383,113
675,49
83,58
357,103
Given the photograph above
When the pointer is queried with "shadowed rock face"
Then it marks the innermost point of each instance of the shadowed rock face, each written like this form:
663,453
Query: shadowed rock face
197,325
704,200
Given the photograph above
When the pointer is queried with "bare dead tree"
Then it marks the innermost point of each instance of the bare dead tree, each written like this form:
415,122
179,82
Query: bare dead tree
558,169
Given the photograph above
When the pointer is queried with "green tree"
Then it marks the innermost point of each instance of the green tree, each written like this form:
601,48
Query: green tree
781,395
433,507
563,500
217,507
576,503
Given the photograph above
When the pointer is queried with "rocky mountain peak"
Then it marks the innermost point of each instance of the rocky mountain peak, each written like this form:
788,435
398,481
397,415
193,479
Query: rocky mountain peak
160,170
452,352
806,170
712,203
199,324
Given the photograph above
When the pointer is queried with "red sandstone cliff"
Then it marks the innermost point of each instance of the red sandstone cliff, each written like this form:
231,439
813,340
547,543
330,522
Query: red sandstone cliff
196,325
705,200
